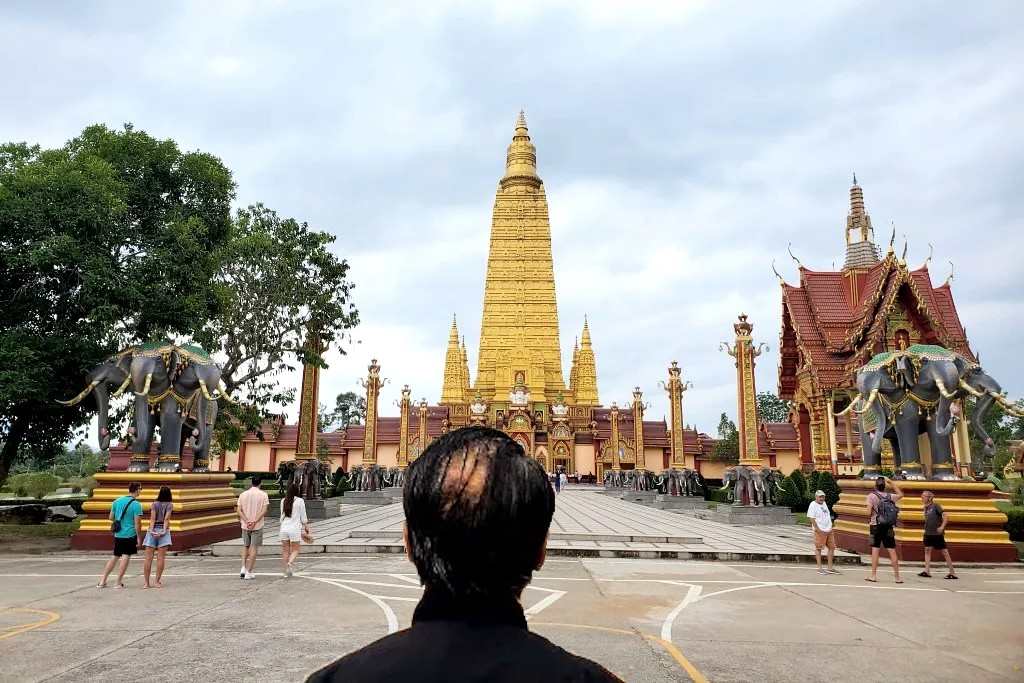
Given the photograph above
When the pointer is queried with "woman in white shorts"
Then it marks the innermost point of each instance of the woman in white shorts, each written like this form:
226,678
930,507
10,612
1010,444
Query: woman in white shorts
294,524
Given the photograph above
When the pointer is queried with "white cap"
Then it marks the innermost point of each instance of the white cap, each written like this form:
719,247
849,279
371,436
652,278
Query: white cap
819,492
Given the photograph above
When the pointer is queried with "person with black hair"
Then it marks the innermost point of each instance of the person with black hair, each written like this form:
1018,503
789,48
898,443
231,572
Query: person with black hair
158,537
252,511
477,513
126,525
294,526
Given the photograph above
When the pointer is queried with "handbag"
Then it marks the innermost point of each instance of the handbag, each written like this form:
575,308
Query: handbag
307,536
115,526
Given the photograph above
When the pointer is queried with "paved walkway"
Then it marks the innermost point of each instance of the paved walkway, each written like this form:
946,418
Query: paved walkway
586,524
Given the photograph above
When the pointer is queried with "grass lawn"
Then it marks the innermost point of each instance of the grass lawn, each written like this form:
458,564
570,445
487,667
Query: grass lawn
801,518
51,530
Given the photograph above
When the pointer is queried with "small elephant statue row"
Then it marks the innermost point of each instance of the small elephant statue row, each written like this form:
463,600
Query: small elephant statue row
177,388
681,482
757,486
311,476
903,394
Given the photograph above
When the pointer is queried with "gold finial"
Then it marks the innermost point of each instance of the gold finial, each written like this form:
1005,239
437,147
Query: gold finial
789,248
521,120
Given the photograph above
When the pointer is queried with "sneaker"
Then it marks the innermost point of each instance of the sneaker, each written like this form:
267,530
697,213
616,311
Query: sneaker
288,572
822,572
249,576
241,572
834,571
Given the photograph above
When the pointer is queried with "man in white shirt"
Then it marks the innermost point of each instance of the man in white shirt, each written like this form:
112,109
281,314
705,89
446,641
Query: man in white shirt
824,535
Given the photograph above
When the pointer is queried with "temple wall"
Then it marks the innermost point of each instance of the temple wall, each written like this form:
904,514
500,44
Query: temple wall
584,456
787,461
713,469
387,455
653,459
257,457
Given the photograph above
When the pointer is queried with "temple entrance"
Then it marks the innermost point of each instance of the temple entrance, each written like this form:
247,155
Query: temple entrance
561,464
626,466
803,427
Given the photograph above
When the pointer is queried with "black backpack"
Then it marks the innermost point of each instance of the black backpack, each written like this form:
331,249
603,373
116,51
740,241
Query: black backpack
886,511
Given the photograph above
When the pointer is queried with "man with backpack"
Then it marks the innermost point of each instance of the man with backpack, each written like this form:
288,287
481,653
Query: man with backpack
126,525
882,516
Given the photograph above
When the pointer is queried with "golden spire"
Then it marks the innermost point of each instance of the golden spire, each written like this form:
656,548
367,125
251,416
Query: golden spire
521,159
585,388
453,389
465,368
519,327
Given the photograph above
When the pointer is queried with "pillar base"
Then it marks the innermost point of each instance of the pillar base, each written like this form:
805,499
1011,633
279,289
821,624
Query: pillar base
975,531
203,512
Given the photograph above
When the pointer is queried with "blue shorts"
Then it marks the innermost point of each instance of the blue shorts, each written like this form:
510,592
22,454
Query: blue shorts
152,541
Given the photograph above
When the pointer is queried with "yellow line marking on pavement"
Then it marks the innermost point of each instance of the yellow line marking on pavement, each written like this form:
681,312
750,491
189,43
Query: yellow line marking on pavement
693,672
48,618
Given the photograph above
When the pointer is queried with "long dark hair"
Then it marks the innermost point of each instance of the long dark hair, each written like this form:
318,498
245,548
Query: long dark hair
165,495
293,493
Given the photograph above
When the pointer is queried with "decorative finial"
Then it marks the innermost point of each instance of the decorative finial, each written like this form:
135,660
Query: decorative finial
521,119
789,248
903,257
775,270
949,278
854,177
892,238
931,251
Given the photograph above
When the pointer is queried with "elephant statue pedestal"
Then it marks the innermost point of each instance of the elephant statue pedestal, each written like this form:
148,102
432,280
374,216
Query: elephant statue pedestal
204,508
975,532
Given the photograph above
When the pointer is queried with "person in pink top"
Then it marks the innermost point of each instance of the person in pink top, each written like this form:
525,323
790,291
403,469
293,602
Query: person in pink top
252,510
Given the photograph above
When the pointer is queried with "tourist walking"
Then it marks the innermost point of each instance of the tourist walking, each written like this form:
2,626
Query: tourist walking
294,525
558,482
824,534
158,538
252,511
564,479
477,513
935,521
882,516
126,526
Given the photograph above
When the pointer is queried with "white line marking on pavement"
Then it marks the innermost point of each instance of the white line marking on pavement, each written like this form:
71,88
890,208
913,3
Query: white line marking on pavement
389,613
1013,581
691,596
408,578
544,603
395,597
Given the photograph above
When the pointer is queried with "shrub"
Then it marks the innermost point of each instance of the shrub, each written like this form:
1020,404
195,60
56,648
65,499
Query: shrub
812,483
790,496
1017,498
801,484
34,484
1015,522
715,494
827,483
82,485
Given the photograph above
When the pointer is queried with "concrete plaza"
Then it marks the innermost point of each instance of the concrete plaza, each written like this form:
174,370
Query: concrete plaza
646,620
586,524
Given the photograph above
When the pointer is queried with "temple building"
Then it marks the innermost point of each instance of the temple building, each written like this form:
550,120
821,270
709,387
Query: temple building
833,322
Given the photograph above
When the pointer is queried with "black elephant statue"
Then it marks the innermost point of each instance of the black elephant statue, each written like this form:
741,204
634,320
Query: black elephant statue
903,394
310,475
177,389
285,474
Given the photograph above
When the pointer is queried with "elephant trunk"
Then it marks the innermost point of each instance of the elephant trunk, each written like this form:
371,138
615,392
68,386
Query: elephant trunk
102,426
882,420
145,387
944,421
977,420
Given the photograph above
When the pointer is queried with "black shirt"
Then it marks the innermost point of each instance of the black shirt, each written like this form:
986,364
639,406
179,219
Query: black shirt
453,641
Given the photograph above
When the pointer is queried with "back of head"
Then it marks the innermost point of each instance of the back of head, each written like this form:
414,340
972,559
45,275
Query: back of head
880,484
477,511
256,480
165,494
134,487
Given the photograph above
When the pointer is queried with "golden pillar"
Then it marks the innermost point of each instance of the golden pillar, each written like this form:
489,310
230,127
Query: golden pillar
309,405
675,388
744,353
372,384
615,436
638,427
423,424
403,429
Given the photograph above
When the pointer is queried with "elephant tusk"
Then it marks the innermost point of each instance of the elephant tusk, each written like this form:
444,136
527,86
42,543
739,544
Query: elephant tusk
145,388
124,385
971,390
224,394
206,392
871,399
85,392
847,409
942,389
1009,407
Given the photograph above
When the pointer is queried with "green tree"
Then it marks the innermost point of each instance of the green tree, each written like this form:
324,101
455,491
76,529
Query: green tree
813,484
278,280
104,242
827,483
801,483
791,496
728,445
771,408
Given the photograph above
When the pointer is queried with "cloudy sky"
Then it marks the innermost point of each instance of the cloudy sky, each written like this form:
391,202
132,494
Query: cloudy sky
682,145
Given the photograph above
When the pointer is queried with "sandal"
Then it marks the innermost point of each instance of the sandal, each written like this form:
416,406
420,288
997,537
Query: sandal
899,580
121,586
925,575
101,585
952,576
870,580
